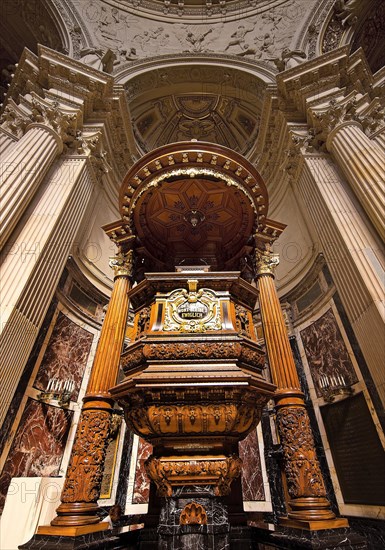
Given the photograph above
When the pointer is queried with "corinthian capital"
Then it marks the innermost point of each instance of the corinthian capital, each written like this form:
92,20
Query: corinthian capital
49,113
336,113
265,262
123,264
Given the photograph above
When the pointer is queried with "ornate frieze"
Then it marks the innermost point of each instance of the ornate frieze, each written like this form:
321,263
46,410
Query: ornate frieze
234,418
140,353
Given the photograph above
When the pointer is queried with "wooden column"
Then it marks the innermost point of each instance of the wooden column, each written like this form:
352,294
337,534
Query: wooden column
308,507
85,471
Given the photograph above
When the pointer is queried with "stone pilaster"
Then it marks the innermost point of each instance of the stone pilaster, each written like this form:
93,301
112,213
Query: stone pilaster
7,140
308,507
33,262
85,471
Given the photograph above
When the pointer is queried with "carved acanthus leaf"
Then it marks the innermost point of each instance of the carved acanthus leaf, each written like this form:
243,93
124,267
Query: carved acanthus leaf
85,471
303,474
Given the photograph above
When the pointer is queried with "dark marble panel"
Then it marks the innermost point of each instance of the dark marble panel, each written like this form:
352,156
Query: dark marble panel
272,456
142,482
66,355
22,386
122,489
373,531
326,352
38,446
372,389
252,481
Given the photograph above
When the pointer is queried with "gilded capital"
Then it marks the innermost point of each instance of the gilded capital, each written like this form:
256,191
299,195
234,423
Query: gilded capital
122,264
265,262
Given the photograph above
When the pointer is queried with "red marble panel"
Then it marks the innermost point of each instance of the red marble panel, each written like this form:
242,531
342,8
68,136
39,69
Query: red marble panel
326,351
66,355
38,446
142,481
252,480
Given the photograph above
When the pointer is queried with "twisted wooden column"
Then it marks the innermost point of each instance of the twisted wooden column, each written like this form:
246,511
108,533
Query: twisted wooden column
85,471
308,507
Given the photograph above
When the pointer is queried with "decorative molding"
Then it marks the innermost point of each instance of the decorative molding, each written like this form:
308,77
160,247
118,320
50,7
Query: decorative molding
170,472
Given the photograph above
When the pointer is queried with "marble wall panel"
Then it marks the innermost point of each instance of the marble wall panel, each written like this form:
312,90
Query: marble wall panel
66,355
142,481
252,480
38,446
326,351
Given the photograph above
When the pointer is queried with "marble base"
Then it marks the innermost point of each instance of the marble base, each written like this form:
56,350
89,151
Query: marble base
215,534
295,539
198,538
116,538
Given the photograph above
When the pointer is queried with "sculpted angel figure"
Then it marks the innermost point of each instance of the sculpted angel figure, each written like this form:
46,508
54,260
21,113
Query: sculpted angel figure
238,37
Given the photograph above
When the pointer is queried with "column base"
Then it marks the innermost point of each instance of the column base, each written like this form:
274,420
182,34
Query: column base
76,514
72,531
314,525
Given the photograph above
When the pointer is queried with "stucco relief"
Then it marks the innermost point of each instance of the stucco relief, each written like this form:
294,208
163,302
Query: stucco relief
263,36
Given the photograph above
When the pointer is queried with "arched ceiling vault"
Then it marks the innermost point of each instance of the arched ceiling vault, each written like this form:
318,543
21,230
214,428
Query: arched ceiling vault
216,104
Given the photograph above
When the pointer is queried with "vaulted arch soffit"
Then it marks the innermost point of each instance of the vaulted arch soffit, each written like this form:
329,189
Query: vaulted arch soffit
179,98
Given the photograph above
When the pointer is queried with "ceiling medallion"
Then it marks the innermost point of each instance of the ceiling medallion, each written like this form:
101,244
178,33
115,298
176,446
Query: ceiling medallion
194,217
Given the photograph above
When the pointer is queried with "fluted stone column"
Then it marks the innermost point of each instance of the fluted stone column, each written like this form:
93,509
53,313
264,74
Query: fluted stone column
31,266
22,170
363,163
354,255
308,506
380,140
85,471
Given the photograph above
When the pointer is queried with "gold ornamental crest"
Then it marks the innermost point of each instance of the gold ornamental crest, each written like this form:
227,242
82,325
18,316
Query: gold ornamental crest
192,310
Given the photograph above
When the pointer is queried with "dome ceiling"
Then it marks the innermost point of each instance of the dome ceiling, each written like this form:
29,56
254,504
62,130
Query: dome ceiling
194,219
181,104
196,10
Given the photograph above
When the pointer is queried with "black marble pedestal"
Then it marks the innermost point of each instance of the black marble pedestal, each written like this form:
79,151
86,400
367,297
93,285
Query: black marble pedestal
215,533
117,538
295,539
